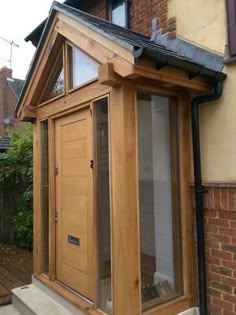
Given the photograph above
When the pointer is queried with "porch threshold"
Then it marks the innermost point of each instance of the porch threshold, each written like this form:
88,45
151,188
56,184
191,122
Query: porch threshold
29,300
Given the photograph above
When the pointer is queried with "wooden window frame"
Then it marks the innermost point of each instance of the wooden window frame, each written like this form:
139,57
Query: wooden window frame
231,21
123,112
175,197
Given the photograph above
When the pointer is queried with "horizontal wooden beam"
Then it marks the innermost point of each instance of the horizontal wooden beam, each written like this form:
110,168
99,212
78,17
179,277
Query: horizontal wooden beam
28,113
107,76
171,76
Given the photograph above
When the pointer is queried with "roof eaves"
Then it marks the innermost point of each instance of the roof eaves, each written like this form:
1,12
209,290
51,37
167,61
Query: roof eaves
35,35
188,50
191,67
139,45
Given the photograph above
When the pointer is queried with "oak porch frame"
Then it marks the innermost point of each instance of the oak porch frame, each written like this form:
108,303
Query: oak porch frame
120,76
123,167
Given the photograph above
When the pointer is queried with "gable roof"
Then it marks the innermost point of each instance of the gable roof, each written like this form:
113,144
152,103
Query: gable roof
16,85
35,35
137,44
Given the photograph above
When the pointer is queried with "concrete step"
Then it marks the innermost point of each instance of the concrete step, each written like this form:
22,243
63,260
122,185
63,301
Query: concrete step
56,297
8,310
30,300
191,311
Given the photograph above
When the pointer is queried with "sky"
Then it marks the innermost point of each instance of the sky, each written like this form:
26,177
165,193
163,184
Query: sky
17,19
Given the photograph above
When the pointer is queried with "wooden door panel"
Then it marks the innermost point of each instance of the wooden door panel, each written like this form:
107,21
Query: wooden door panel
69,278
74,263
68,132
72,185
70,200
75,167
77,150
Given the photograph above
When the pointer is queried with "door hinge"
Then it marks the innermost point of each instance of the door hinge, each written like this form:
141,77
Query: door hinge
56,170
91,163
56,217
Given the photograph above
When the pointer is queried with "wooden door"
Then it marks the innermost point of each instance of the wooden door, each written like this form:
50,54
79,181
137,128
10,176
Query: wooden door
74,228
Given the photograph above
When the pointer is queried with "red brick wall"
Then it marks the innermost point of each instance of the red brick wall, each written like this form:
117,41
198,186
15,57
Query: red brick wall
220,239
141,14
7,98
98,8
143,11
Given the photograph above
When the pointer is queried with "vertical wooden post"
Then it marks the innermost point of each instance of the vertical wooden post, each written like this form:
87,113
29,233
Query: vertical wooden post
37,199
187,220
52,233
124,202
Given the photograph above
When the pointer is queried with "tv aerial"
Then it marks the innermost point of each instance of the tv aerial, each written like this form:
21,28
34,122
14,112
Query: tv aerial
12,44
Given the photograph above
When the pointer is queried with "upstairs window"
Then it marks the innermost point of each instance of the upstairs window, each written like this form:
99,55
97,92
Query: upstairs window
119,12
231,16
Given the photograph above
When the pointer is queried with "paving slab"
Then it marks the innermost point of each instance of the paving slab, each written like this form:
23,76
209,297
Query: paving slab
8,310
31,300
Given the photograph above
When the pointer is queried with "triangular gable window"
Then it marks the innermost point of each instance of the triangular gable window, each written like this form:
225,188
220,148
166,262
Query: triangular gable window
55,84
83,68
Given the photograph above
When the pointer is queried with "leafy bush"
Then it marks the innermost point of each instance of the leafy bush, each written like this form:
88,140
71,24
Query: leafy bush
24,222
16,167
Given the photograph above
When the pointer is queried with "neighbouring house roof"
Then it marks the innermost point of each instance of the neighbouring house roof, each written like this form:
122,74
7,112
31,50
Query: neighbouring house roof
16,85
4,143
207,63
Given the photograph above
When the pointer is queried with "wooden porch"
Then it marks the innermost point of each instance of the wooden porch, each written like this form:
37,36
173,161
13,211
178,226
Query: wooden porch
15,270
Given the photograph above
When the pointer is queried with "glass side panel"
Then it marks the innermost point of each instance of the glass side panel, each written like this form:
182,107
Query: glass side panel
118,13
58,87
55,83
44,198
83,68
159,199
103,206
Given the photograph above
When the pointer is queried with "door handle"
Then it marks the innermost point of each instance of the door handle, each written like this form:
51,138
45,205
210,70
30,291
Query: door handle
56,217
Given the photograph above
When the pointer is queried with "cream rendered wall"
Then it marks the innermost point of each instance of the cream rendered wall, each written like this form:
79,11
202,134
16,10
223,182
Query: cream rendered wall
201,21
204,22
218,133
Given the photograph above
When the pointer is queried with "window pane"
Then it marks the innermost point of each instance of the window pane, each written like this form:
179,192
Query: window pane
103,206
55,84
44,197
158,199
83,68
58,87
118,13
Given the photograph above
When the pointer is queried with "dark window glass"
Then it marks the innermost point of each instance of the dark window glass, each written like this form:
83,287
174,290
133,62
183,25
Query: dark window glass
103,206
44,197
55,84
